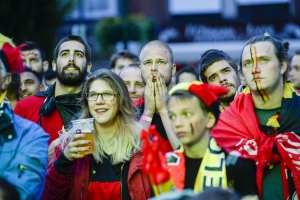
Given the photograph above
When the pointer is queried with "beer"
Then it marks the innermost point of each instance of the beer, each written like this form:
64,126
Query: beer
88,136
85,126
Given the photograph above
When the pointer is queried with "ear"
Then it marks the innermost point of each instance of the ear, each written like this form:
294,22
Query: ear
42,87
211,120
173,69
284,66
45,65
6,82
54,65
89,66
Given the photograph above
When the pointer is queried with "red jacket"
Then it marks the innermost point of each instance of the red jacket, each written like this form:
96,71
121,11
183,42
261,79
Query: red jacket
29,107
75,185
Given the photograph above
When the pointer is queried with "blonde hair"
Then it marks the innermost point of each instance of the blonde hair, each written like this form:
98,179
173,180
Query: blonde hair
126,140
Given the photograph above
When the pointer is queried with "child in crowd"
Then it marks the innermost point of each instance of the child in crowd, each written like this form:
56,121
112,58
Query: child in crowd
199,162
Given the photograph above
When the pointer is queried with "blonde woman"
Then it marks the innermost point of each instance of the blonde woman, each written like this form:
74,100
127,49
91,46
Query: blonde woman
113,171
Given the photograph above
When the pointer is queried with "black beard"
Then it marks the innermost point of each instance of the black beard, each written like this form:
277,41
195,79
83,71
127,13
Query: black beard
71,80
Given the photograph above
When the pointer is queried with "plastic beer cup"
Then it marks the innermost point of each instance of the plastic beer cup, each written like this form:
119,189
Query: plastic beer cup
85,126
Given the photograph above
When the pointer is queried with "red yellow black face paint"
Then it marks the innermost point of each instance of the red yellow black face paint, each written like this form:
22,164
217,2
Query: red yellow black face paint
265,97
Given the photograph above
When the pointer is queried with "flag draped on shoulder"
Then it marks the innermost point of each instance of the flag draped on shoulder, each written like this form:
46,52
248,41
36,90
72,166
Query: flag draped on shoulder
239,130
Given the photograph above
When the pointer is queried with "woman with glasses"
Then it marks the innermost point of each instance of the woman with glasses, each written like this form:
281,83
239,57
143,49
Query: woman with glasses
113,171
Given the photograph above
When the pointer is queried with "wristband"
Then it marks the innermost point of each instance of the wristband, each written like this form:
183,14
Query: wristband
145,118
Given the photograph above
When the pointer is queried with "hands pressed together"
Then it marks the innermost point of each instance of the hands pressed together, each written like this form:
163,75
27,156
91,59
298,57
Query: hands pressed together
155,94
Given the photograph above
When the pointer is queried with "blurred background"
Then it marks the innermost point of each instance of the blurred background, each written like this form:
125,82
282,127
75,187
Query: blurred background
189,26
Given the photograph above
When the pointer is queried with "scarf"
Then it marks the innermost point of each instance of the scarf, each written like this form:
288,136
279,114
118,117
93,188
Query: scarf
212,171
66,104
238,130
7,131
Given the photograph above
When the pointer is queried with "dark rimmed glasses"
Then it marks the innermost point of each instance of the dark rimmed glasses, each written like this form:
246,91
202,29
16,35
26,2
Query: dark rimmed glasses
106,96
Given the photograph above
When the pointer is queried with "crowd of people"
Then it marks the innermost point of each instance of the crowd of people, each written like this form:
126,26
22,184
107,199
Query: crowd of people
226,128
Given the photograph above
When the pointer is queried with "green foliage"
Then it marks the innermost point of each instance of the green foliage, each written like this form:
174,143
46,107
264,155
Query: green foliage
33,20
136,27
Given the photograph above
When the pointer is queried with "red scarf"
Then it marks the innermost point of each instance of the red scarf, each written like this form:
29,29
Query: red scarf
238,130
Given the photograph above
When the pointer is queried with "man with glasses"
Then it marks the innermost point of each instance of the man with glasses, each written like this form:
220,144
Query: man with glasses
55,107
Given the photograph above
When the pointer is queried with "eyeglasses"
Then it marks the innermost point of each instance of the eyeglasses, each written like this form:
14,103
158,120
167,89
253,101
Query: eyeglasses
106,96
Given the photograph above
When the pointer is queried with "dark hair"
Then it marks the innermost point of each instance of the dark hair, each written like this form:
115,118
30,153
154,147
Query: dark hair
211,56
8,191
49,74
29,45
186,70
122,54
74,38
35,73
13,89
281,48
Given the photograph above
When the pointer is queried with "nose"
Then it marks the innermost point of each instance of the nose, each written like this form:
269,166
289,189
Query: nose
222,79
178,122
23,87
27,63
99,99
255,69
71,59
154,67
131,88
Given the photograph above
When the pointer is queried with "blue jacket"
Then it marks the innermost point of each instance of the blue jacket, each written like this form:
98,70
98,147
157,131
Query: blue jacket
24,158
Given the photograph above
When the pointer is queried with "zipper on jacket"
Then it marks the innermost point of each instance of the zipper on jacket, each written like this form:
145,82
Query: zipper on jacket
23,168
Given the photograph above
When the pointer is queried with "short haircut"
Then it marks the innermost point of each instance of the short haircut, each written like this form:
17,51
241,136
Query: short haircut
74,38
186,70
122,54
211,56
35,73
160,43
29,45
134,65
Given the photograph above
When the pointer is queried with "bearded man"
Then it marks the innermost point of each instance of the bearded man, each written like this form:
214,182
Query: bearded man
55,107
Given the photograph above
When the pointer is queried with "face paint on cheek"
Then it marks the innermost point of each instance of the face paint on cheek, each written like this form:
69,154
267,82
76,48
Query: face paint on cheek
192,129
265,97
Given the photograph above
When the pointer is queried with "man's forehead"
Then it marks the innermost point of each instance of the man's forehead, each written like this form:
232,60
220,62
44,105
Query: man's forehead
33,52
132,72
71,46
155,50
260,48
28,75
